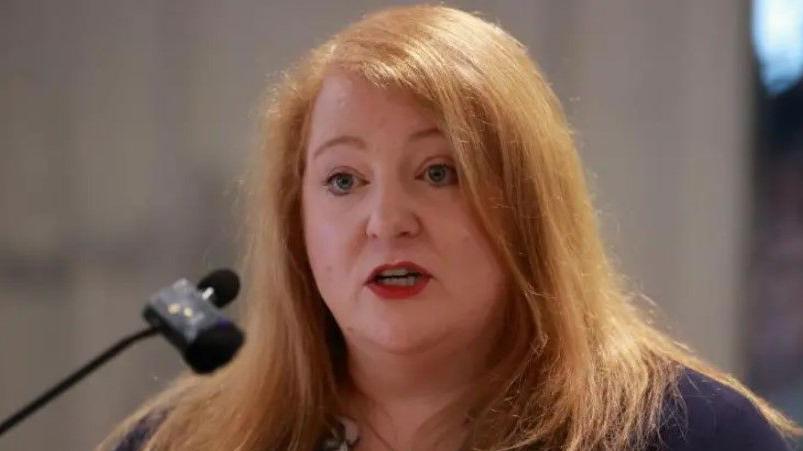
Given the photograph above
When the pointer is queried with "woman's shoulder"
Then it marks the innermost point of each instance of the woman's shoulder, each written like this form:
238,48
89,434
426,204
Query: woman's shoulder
342,438
135,439
713,416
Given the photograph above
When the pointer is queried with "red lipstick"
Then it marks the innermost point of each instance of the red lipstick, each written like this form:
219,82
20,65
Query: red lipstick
389,291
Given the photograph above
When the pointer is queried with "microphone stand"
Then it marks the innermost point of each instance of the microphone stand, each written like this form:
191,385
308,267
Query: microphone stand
187,317
71,380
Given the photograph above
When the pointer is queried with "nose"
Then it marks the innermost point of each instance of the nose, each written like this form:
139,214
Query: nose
392,214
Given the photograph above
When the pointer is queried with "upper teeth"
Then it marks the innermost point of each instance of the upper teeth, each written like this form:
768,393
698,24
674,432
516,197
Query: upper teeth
396,272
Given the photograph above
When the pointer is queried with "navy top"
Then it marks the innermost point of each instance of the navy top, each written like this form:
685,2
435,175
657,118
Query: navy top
717,419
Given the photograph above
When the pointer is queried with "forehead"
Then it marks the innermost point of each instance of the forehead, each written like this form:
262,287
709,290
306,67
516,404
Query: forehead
348,103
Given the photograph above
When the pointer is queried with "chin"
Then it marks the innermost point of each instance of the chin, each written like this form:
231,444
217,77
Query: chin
402,340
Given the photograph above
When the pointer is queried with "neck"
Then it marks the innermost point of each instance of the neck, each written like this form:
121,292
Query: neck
397,395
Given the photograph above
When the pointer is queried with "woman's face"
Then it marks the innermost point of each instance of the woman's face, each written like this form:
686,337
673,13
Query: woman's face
380,188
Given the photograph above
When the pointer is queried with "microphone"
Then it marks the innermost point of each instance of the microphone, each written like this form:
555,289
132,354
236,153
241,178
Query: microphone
190,321
220,286
187,316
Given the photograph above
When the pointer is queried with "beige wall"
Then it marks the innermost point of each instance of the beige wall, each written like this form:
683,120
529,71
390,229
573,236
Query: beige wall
124,128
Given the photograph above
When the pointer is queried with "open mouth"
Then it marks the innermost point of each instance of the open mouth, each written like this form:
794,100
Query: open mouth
399,281
401,285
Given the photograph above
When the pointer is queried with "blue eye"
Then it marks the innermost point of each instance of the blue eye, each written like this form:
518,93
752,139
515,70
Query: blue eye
440,173
339,183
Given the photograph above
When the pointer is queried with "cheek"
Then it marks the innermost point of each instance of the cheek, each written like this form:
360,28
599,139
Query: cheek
327,242
316,236
474,272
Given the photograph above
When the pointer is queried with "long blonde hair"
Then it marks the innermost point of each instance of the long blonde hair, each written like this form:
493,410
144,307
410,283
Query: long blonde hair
579,368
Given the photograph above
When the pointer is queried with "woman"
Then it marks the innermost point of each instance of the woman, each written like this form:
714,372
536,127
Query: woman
426,273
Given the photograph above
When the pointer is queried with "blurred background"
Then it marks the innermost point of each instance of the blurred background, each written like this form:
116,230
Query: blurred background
125,129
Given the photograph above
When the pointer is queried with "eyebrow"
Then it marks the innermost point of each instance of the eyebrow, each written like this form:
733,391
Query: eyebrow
360,144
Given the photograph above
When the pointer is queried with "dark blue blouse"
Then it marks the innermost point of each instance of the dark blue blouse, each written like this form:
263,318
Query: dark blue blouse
717,418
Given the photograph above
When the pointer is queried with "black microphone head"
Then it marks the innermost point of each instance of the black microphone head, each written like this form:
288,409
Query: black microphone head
213,348
224,283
